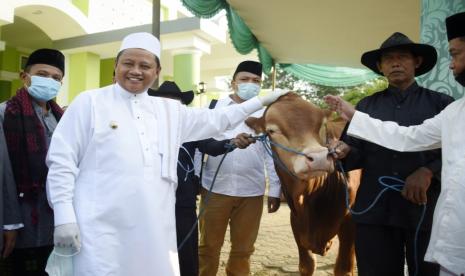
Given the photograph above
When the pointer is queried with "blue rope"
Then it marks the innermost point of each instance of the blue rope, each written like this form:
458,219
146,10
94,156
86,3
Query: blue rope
229,147
187,170
387,187
395,187
266,141
286,148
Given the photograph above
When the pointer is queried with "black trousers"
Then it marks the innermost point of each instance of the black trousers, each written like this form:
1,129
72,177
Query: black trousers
189,253
381,251
26,262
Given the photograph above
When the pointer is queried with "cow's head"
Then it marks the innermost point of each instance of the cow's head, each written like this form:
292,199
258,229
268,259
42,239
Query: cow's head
300,125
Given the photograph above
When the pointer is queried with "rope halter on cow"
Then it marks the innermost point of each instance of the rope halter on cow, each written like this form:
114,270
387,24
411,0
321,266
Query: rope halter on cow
267,142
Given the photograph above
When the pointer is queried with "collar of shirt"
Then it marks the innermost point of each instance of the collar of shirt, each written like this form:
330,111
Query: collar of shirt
225,102
39,110
402,95
128,95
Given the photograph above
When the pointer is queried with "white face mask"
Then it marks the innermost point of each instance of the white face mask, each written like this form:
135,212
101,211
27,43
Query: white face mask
247,90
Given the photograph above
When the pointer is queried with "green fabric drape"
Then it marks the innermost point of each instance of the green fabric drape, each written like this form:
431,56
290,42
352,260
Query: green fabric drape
241,36
245,41
433,32
205,8
265,58
329,76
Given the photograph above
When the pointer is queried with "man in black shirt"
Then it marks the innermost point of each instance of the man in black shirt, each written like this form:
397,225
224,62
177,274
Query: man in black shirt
385,234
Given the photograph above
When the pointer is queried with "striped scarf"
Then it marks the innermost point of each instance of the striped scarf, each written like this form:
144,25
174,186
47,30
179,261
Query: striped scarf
27,147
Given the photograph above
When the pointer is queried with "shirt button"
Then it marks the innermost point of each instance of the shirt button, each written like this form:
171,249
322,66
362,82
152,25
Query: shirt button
398,107
394,156
146,149
395,173
141,133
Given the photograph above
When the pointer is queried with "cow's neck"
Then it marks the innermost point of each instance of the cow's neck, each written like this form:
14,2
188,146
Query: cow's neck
301,190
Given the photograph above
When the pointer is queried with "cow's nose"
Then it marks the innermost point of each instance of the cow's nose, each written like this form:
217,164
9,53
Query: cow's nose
318,160
309,157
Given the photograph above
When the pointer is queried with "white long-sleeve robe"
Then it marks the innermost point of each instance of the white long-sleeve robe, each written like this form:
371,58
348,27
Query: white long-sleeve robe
112,169
446,130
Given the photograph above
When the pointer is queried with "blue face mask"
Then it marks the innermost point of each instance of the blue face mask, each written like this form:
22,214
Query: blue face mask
247,90
43,89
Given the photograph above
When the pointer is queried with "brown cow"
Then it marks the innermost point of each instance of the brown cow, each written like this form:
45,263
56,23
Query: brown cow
315,192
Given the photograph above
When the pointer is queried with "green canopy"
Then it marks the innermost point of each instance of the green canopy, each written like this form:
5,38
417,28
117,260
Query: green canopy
312,39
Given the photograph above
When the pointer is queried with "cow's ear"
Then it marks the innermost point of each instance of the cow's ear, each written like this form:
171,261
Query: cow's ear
257,124
335,127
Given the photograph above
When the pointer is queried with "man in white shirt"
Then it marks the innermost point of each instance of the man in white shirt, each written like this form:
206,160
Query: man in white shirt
237,195
446,131
112,167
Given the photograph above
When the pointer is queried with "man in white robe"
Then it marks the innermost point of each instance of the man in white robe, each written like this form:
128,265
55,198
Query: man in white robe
447,131
112,167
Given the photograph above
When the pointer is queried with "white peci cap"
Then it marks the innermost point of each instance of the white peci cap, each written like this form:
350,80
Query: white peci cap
146,41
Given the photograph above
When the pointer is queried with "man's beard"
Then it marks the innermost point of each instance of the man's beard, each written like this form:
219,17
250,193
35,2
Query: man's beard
460,78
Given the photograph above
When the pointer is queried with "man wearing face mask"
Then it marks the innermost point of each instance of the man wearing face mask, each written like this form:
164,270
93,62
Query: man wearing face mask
237,195
29,119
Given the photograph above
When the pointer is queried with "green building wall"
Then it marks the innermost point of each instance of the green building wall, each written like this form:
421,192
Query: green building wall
10,62
84,73
5,88
185,74
83,5
106,71
9,59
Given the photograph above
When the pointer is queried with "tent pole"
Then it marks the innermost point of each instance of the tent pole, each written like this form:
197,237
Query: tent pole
156,27
273,77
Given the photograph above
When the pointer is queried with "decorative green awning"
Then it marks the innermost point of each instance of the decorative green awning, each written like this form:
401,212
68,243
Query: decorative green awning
329,76
245,41
313,39
242,38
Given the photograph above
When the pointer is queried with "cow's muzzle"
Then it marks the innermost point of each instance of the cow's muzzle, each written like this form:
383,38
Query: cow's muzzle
314,163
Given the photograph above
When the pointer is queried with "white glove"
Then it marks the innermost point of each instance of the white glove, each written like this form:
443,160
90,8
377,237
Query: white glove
272,96
67,235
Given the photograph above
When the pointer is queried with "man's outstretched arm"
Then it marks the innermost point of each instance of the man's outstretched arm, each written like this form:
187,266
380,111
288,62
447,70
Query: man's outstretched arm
386,133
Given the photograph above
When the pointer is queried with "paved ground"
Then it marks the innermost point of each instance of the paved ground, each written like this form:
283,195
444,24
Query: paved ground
276,251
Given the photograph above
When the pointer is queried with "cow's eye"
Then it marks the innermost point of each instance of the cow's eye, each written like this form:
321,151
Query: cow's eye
272,130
